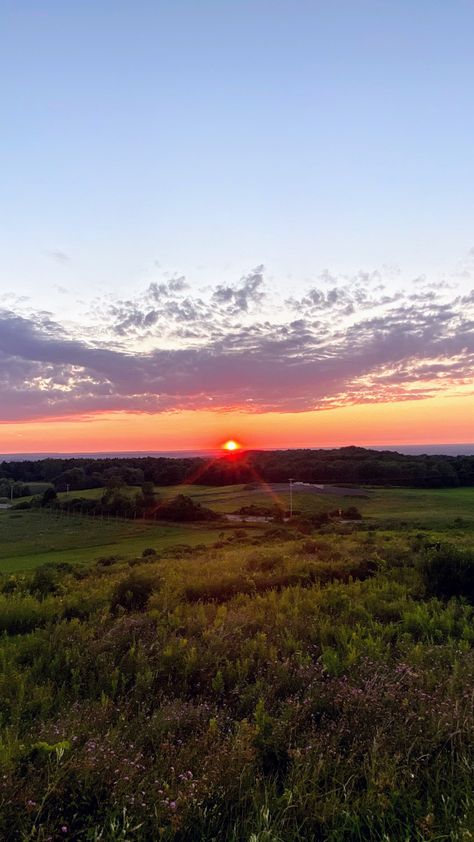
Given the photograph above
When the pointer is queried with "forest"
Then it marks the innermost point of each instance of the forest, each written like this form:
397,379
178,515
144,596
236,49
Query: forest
346,465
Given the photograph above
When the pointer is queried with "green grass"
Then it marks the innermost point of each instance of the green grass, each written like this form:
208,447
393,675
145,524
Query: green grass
31,538
428,507
431,508
282,693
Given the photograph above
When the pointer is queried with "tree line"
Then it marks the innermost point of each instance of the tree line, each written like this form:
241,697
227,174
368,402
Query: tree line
346,465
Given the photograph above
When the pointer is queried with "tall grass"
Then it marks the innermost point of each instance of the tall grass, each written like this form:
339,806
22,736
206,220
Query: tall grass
299,690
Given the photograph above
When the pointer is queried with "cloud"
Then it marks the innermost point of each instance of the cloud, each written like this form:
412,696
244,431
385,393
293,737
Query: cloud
237,299
58,256
167,289
169,350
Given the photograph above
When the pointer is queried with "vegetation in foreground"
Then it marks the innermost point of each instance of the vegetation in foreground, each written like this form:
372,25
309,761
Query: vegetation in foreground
270,687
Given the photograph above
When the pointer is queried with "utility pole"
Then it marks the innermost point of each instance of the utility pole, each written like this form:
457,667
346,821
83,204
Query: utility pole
11,491
291,481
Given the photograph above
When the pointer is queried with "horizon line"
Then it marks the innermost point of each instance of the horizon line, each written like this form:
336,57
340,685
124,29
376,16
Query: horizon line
150,452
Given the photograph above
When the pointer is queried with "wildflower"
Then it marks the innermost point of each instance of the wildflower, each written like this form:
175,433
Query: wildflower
63,828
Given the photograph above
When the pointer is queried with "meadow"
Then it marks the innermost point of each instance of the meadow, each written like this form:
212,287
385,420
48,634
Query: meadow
32,538
252,684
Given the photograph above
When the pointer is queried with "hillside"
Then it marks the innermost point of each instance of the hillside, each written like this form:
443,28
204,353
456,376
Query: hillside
262,684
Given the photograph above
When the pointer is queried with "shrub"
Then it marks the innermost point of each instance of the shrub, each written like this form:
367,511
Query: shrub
183,509
44,582
22,613
310,547
148,552
276,533
133,592
255,511
265,563
49,497
108,560
449,572
12,584
352,513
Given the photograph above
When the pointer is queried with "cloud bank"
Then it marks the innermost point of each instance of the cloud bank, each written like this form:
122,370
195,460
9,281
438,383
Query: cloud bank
239,347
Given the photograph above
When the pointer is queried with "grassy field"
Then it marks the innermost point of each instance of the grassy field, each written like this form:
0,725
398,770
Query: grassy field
430,508
31,538
427,507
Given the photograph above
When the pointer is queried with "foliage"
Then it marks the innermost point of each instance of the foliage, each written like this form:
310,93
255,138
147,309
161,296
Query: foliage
343,465
269,688
449,571
48,497
132,593
183,509
10,488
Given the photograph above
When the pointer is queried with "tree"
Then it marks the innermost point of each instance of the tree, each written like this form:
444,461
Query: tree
48,497
75,478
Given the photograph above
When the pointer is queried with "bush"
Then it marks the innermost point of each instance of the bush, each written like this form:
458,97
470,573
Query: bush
133,593
310,547
49,497
148,552
183,509
265,563
22,613
449,572
11,585
352,513
44,582
108,560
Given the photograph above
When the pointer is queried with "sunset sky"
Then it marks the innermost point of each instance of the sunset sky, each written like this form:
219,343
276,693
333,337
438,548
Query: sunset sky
248,220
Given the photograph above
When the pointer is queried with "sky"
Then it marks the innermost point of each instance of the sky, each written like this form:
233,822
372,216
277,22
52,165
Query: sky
236,218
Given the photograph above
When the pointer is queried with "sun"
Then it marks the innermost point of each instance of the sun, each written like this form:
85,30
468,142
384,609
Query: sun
231,446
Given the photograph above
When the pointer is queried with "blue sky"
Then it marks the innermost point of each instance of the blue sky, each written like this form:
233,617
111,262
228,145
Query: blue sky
237,207
205,138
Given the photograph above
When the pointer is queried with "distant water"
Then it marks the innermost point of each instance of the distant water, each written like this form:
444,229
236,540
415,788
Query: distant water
408,449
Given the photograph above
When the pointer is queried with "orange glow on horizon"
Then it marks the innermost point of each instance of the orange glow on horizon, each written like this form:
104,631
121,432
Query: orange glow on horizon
442,420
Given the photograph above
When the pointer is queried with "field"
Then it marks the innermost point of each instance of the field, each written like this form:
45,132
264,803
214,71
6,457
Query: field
251,685
32,538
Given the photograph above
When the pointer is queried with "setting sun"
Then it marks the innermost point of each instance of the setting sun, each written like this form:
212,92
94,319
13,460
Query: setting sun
231,445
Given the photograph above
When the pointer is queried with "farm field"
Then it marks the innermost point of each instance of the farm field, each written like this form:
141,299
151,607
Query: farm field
429,507
29,539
